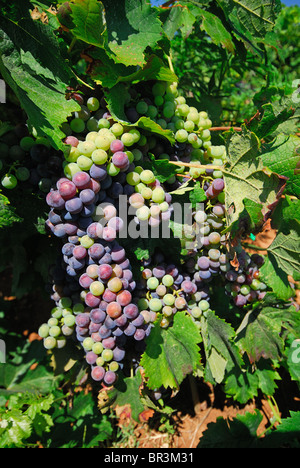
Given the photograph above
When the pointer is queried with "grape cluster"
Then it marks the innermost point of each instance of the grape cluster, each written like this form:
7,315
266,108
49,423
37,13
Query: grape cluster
150,201
243,284
27,159
166,289
61,324
106,159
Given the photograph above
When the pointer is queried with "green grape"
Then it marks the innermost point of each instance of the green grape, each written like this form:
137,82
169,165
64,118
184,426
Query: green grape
56,312
103,123
97,288
117,129
88,344
65,302
146,193
102,142
168,280
97,347
55,331
155,305
143,213
147,176
164,206
181,136
50,342
142,107
43,331
92,124
137,154
9,181
168,111
52,321
77,125
200,217
196,312
179,124
169,299
158,101
69,320
107,355
86,242
73,155
161,290
133,178
214,238
221,197
26,143
71,169
128,139
152,283
112,170
162,123
61,342
100,361
255,284
245,289
196,172
84,163
158,195
203,305
93,104
86,148
135,134
167,311
78,308
189,125
22,174
152,112
99,157
159,88
114,366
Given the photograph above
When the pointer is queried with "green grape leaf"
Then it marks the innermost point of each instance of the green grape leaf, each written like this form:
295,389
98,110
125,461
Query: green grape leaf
270,118
179,17
261,335
197,195
106,72
127,392
246,177
172,353
89,26
132,27
284,252
221,353
282,156
214,27
38,79
252,19
8,216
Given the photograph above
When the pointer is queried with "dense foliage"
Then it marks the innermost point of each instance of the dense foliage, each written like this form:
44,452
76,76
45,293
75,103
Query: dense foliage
143,151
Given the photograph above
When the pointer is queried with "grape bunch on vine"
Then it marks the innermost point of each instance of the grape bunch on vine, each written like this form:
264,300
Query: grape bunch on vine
152,208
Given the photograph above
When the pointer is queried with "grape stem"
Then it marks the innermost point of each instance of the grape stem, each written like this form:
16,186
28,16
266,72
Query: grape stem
217,129
210,166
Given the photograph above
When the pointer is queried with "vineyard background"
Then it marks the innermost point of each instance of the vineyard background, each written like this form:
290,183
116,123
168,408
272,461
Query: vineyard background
229,87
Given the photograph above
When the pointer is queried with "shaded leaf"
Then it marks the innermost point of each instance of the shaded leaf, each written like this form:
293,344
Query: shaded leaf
171,354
